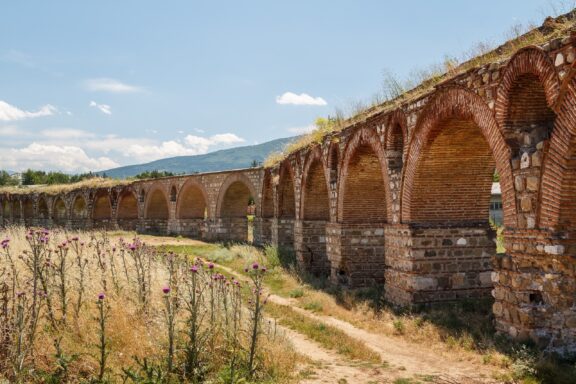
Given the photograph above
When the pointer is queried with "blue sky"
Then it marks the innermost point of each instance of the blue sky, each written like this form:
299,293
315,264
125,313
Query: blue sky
94,85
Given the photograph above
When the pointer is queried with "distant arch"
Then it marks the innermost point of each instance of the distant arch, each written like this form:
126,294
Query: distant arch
268,195
234,196
59,212
286,192
315,198
79,208
192,201
127,212
156,204
102,209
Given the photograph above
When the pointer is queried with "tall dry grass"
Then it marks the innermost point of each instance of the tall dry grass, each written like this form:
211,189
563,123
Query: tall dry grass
81,307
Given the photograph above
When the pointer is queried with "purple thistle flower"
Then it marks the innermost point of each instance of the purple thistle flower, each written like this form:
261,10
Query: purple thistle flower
166,290
246,269
211,265
255,266
264,269
194,269
101,296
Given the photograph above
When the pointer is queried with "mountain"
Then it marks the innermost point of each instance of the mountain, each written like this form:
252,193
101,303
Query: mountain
233,158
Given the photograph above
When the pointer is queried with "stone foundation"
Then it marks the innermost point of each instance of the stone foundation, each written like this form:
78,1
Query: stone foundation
228,229
356,253
535,291
263,230
310,246
194,228
285,232
153,226
427,265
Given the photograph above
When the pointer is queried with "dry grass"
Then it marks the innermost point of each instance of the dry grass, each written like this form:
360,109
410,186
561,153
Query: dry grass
56,189
131,332
421,82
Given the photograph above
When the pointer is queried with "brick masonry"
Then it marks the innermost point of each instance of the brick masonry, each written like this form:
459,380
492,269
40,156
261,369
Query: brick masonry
400,197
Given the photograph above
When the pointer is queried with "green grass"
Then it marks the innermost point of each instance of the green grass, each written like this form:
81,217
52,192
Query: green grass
325,335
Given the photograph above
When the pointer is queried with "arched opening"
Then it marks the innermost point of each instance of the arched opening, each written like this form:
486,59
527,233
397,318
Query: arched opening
17,211
358,258
311,244
529,120
79,212
102,210
127,216
59,212
364,199
395,148
449,205
192,210
234,210
28,211
266,218
43,212
286,207
173,194
7,211
156,212
333,162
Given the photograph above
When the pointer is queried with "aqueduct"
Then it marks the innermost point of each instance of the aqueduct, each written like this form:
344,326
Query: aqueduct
400,197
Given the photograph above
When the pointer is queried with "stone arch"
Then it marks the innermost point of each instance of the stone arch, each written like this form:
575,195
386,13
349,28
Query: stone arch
267,195
173,194
28,210
192,201
456,192
396,139
79,209
17,209
127,211
363,192
156,204
43,211
59,211
333,162
286,192
234,195
102,209
558,207
525,100
232,209
315,204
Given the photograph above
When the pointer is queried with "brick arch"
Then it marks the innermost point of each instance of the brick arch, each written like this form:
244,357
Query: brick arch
267,209
333,161
286,191
7,209
315,199
102,206
17,209
28,209
192,201
79,208
59,211
156,206
464,114
234,194
558,187
43,211
363,193
526,97
397,132
127,210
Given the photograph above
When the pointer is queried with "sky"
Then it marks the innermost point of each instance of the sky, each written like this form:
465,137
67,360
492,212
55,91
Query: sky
92,85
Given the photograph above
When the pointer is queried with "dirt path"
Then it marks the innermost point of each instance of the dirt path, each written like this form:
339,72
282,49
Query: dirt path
410,359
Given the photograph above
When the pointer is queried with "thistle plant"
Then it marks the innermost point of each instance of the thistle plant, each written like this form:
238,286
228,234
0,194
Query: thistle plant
103,313
256,303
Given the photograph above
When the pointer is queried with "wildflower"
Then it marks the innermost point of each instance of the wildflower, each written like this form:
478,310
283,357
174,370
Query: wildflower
246,269
211,265
101,296
166,290
255,266
194,269
132,247
264,269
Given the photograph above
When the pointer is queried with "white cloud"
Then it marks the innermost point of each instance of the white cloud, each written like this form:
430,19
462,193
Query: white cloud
64,158
104,108
301,99
12,130
110,85
63,134
301,130
11,113
199,130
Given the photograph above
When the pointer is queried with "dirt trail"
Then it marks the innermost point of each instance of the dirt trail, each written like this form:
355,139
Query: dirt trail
411,359
403,359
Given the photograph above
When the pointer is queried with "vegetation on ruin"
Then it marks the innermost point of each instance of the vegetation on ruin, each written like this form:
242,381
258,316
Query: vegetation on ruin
83,307
55,189
396,91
